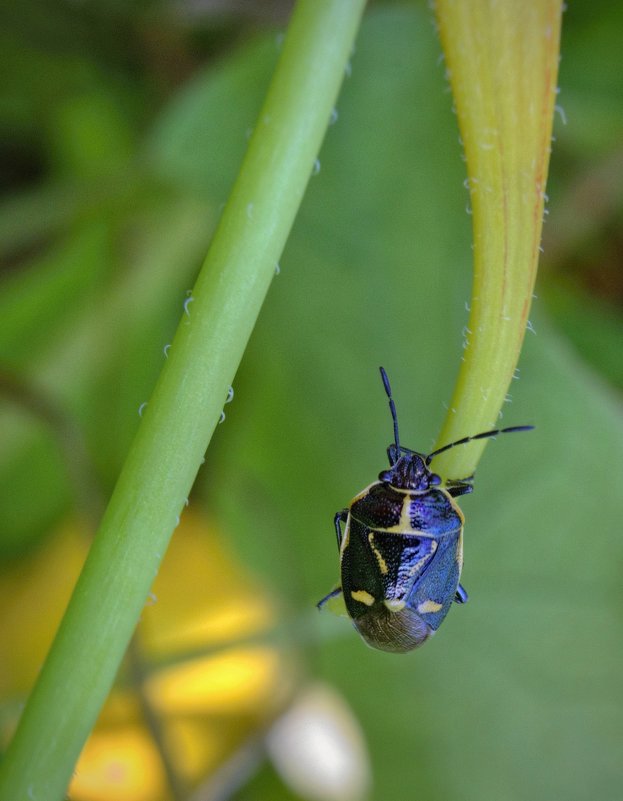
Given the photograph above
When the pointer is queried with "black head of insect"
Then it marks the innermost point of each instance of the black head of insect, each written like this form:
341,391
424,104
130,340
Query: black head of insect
409,469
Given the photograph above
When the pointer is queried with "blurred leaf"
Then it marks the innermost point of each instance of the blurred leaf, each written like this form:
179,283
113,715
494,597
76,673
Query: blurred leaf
582,237
34,489
589,79
90,136
220,105
594,328
95,355
46,297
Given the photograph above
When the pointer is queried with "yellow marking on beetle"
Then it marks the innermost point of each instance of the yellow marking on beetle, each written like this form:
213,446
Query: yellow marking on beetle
394,605
364,492
345,536
405,515
379,556
429,606
455,507
459,552
363,597
404,524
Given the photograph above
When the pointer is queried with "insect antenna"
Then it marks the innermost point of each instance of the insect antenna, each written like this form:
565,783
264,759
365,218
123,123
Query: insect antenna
392,407
483,435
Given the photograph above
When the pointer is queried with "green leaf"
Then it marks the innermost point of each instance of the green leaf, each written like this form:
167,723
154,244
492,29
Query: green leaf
91,332
594,328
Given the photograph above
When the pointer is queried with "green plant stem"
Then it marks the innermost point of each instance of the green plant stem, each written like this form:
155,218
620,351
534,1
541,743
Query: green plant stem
186,405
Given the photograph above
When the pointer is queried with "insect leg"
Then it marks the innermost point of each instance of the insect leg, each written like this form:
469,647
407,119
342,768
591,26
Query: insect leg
467,480
340,517
461,596
334,593
459,487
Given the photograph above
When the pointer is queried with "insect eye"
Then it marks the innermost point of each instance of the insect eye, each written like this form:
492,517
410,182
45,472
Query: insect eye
435,479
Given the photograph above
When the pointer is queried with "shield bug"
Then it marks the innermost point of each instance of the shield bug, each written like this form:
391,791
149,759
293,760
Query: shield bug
401,549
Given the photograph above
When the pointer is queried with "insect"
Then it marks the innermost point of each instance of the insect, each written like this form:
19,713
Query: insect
401,550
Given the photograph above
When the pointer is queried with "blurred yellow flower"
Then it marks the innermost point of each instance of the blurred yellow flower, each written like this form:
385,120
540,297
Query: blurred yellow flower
206,692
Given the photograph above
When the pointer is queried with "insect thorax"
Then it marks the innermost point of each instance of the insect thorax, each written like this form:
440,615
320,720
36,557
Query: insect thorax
383,506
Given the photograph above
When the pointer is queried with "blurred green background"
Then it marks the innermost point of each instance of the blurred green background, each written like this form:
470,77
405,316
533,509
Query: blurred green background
122,128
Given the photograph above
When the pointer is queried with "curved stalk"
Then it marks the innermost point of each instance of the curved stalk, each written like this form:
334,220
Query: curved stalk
502,61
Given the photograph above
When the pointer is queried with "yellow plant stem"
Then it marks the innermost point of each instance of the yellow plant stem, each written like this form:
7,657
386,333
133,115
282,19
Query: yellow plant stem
502,62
